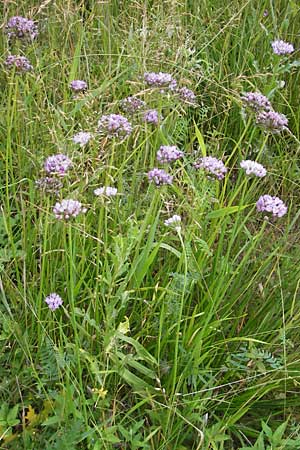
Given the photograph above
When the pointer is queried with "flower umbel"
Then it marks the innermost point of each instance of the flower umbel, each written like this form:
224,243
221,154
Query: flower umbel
160,80
212,165
187,96
256,101
49,185
282,48
159,177
21,63
132,105
78,85
114,125
168,153
272,121
106,191
68,208
152,116
174,221
57,164
19,27
271,204
253,168
54,301
82,138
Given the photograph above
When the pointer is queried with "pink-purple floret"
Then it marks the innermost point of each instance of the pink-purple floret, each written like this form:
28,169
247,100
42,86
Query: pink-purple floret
168,154
68,208
57,164
212,166
54,301
159,177
271,204
78,85
21,63
114,125
19,27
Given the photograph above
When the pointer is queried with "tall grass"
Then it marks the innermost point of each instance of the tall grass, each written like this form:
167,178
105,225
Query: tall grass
166,339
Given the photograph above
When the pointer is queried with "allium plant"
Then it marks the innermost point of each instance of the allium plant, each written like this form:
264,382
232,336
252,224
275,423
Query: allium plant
187,96
174,221
82,138
212,166
106,191
271,204
78,85
168,154
160,80
152,116
68,208
20,63
281,47
19,27
54,301
57,164
253,168
272,121
256,101
159,177
132,105
49,185
114,125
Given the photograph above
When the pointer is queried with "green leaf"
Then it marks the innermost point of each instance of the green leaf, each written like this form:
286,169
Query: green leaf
225,211
200,140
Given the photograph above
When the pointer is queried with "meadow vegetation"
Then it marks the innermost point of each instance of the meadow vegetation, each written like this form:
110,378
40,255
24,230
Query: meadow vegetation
150,300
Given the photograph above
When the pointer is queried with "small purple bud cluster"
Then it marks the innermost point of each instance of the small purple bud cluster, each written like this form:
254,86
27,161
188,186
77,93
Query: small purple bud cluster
186,95
152,116
168,154
271,204
20,63
212,165
114,125
131,105
78,86
54,301
253,168
256,101
159,177
272,121
82,138
106,191
49,185
281,47
160,80
57,164
68,208
19,27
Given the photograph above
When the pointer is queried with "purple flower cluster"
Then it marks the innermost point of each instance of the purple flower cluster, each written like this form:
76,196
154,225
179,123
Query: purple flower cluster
168,154
186,95
114,125
68,208
256,101
253,168
106,191
57,164
78,86
160,80
54,301
212,165
271,204
19,27
20,63
272,121
49,185
132,105
82,138
174,221
159,177
152,116
282,48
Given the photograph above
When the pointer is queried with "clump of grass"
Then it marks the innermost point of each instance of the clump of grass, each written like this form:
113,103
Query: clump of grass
149,268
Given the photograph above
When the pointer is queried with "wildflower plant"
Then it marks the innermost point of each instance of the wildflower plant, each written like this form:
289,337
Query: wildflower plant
54,301
159,177
20,63
19,27
211,166
68,208
114,126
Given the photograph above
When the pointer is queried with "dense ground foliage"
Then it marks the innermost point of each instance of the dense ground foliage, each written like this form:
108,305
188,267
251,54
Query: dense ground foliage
150,272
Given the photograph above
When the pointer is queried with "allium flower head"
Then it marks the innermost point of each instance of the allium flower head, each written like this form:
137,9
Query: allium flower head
57,164
106,191
49,185
271,204
114,125
272,121
253,168
282,48
256,101
132,105
20,63
82,138
168,153
54,301
152,116
19,27
174,221
68,208
78,85
160,80
212,165
159,177
187,96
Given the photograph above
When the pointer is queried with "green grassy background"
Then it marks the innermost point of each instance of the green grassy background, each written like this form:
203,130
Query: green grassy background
165,340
